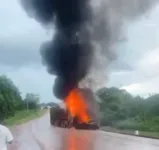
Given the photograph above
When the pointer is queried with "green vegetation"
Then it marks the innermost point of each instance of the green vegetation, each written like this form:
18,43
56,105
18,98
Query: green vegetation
13,108
132,132
23,116
120,110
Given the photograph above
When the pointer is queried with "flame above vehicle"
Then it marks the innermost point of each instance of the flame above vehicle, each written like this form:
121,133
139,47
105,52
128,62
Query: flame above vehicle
77,107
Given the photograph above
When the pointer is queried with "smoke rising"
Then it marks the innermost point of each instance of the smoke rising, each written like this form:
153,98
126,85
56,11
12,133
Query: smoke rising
110,17
87,32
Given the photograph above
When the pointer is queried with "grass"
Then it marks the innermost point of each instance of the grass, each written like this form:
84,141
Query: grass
24,116
154,135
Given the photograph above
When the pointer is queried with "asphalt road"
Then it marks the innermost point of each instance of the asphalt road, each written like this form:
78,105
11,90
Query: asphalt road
40,135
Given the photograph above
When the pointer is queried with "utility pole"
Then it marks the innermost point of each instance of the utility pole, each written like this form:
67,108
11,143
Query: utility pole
27,102
27,105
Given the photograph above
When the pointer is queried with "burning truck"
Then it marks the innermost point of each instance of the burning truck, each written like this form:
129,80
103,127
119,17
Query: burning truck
81,111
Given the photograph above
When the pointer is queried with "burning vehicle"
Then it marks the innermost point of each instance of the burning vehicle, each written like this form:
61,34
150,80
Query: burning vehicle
81,111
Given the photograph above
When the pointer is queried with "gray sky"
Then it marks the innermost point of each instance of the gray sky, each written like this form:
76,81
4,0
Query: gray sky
136,70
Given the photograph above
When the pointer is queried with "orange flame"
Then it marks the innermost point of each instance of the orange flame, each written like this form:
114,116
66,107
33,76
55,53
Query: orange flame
76,106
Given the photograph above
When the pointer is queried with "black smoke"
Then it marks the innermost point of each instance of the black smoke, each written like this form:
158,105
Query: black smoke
68,55
86,38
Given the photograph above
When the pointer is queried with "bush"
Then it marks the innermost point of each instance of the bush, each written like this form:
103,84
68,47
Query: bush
127,124
108,118
22,117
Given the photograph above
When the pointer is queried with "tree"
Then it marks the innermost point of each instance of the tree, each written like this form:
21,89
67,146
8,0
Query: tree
120,109
31,101
10,98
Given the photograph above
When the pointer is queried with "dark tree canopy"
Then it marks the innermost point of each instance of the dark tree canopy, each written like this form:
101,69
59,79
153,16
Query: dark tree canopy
11,100
122,110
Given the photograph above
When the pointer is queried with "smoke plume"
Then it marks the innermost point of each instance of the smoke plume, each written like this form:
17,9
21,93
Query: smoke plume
87,32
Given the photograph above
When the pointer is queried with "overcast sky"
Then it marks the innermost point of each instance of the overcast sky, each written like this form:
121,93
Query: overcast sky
136,70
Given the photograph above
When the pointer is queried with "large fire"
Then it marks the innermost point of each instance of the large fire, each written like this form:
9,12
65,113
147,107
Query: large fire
76,106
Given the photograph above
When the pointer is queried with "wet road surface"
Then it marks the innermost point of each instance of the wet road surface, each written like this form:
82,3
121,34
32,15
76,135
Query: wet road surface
40,135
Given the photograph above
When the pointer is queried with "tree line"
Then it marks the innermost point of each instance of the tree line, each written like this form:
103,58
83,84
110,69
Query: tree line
11,100
118,108
121,110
